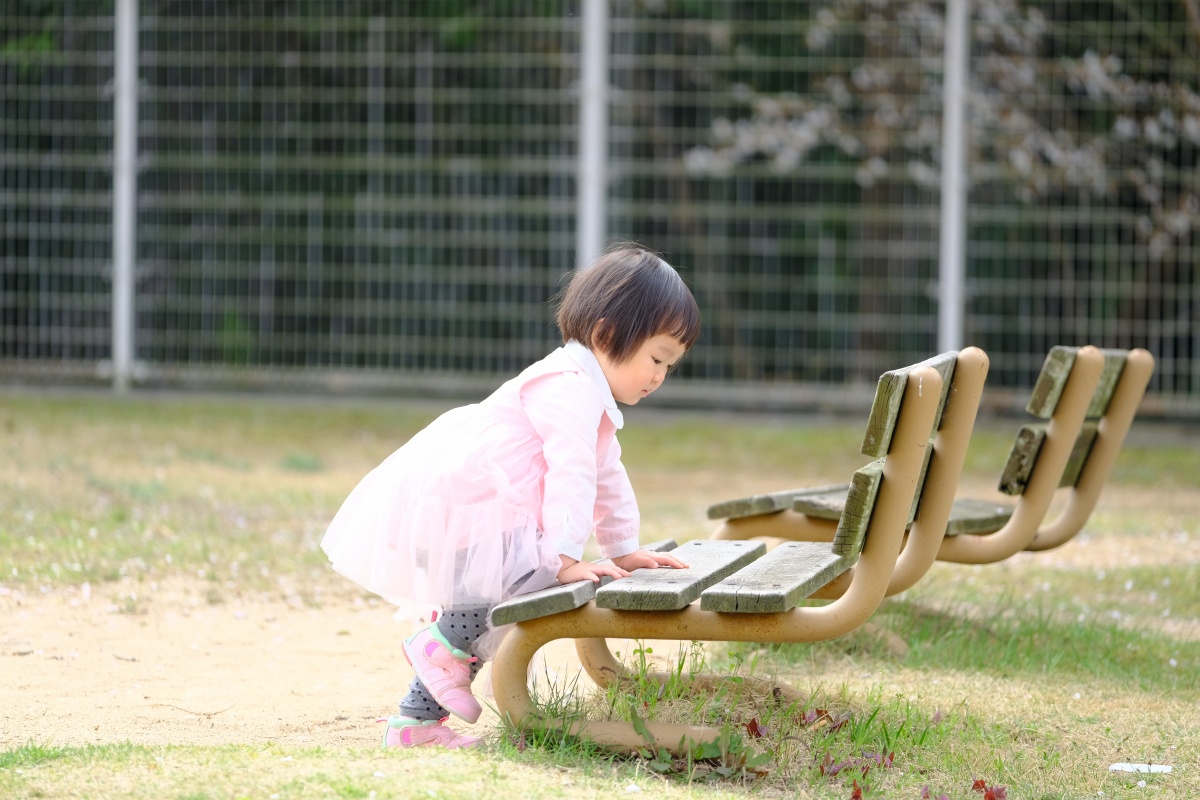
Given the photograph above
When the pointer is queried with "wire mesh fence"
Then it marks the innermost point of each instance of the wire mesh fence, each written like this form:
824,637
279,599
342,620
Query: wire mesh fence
364,195
55,182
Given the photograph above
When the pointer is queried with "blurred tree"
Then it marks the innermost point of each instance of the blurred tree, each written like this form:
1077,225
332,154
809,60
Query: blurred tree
1120,128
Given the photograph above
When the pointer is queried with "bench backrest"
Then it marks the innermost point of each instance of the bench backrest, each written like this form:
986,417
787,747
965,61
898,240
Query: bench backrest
889,391
883,416
881,425
1043,402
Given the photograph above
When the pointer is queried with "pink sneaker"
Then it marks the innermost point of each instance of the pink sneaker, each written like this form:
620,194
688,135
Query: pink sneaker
445,671
408,732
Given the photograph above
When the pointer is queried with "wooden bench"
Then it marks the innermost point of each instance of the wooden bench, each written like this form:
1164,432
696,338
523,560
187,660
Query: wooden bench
1088,398
1073,451
734,590
807,514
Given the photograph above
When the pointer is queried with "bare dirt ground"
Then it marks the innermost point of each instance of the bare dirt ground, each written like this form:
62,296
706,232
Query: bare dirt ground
170,668
162,663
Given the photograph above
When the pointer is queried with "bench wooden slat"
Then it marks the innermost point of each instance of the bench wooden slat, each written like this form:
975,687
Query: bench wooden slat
889,391
556,599
670,589
1079,454
778,581
1050,381
825,502
1021,458
880,425
1114,364
969,515
1023,455
856,515
770,503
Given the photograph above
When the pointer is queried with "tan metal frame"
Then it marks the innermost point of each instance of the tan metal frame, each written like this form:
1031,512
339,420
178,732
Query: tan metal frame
862,596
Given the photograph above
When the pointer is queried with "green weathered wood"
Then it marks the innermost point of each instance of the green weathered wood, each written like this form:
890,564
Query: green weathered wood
856,516
970,516
1051,380
553,600
661,589
824,502
889,391
760,503
1114,364
1022,457
1079,454
778,581
557,599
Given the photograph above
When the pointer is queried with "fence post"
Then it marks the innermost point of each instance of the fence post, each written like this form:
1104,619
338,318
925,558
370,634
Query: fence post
124,245
952,259
592,189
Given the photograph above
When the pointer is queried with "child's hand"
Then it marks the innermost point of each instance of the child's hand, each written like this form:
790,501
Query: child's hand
646,559
573,571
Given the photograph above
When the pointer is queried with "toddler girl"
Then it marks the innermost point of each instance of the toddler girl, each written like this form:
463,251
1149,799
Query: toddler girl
498,498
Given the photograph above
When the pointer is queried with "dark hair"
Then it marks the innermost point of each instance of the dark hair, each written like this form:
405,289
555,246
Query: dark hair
623,298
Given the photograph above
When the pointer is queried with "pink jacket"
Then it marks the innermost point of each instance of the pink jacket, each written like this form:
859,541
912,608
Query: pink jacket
565,401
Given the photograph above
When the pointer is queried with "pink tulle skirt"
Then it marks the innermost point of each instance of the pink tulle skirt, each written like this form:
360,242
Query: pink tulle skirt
451,519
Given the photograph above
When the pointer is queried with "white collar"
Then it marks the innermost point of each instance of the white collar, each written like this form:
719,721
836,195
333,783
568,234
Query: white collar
591,365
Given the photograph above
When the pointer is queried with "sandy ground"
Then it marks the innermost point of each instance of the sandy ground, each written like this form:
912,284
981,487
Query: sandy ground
162,664
170,668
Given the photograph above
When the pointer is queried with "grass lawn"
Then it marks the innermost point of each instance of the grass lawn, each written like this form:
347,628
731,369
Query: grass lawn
1034,675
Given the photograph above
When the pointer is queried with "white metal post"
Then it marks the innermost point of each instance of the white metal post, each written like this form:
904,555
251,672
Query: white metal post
592,190
124,246
952,261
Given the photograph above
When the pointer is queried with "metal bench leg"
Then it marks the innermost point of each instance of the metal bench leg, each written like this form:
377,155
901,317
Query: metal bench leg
510,685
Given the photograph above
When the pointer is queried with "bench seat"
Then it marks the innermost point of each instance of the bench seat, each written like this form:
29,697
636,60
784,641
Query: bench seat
724,575
556,599
782,579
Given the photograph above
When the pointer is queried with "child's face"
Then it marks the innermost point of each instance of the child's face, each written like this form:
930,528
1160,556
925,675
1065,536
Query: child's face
644,371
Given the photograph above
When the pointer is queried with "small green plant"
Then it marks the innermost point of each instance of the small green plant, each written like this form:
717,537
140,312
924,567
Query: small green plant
642,686
727,756
559,707
30,754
